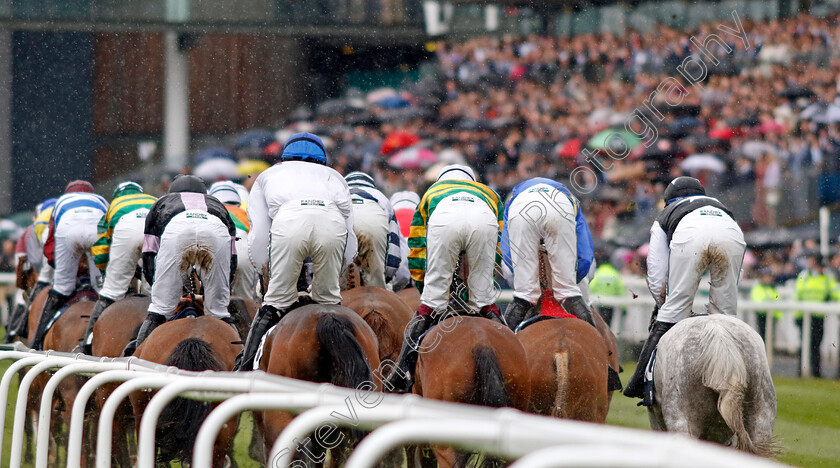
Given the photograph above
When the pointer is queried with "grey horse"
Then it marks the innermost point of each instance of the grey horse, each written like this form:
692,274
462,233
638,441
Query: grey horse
713,383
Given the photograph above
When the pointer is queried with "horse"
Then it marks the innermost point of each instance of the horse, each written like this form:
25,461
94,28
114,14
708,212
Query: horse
385,313
568,364
196,344
472,360
118,325
411,297
318,343
713,383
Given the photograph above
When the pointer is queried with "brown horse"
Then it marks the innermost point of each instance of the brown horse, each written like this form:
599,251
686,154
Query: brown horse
568,365
385,313
196,344
318,343
411,297
472,360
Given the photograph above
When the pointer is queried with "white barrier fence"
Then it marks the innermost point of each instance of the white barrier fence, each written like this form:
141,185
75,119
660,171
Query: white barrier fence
395,420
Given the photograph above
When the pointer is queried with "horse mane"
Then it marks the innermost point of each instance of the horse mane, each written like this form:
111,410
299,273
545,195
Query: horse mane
342,362
489,387
180,420
724,370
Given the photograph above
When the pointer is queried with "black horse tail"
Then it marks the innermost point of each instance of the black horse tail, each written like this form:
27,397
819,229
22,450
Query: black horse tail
343,361
489,382
181,419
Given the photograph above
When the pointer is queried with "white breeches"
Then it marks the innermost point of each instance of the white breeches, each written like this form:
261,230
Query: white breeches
703,243
193,239
371,226
124,254
552,221
300,231
457,226
246,279
73,238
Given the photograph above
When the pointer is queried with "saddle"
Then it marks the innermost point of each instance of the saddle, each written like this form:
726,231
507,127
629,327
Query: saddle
548,308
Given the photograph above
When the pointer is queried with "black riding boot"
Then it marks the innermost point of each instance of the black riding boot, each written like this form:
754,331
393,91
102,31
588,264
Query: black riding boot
516,311
267,317
575,306
493,313
85,345
152,321
54,302
636,386
402,377
17,320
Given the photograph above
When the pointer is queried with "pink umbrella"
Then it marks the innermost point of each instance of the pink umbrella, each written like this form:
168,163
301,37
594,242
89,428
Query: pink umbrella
413,158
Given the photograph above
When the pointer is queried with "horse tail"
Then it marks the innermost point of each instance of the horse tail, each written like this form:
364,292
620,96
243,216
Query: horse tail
181,419
561,372
725,371
489,382
343,356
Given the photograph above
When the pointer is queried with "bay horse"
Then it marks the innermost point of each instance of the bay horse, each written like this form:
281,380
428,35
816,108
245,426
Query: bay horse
195,344
411,297
713,383
385,313
118,325
568,364
318,343
472,360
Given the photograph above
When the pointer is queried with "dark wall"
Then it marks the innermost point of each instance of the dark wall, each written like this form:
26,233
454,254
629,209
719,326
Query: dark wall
52,134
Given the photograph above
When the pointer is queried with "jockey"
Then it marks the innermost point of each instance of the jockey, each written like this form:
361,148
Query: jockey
117,250
376,229
29,257
298,208
457,214
693,234
186,228
72,232
42,229
404,203
246,278
541,209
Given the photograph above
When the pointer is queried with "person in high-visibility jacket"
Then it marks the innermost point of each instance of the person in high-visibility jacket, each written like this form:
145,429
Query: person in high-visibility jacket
814,285
764,291
607,282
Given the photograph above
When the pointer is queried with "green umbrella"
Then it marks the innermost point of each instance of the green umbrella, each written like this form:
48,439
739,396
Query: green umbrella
616,139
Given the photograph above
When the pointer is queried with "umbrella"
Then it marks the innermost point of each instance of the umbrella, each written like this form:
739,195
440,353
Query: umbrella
366,119
393,102
796,92
398,140
215,169
301,113
724,133
380,94
213,152
605,137
257,138
413,158
406,113
703,162
814,110
335,108
251,166
831,115
755,148
771,126
451,156
569,149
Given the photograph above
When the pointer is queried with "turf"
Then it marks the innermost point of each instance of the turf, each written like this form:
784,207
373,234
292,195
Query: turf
807,421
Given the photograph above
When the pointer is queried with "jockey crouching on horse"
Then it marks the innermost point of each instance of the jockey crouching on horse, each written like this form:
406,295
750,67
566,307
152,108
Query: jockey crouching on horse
693,234
246,278
298,208
457,214
118,248
543,210
376,229
72,232
186,228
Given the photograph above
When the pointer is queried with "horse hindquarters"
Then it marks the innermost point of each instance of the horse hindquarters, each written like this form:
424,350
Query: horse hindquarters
489,388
